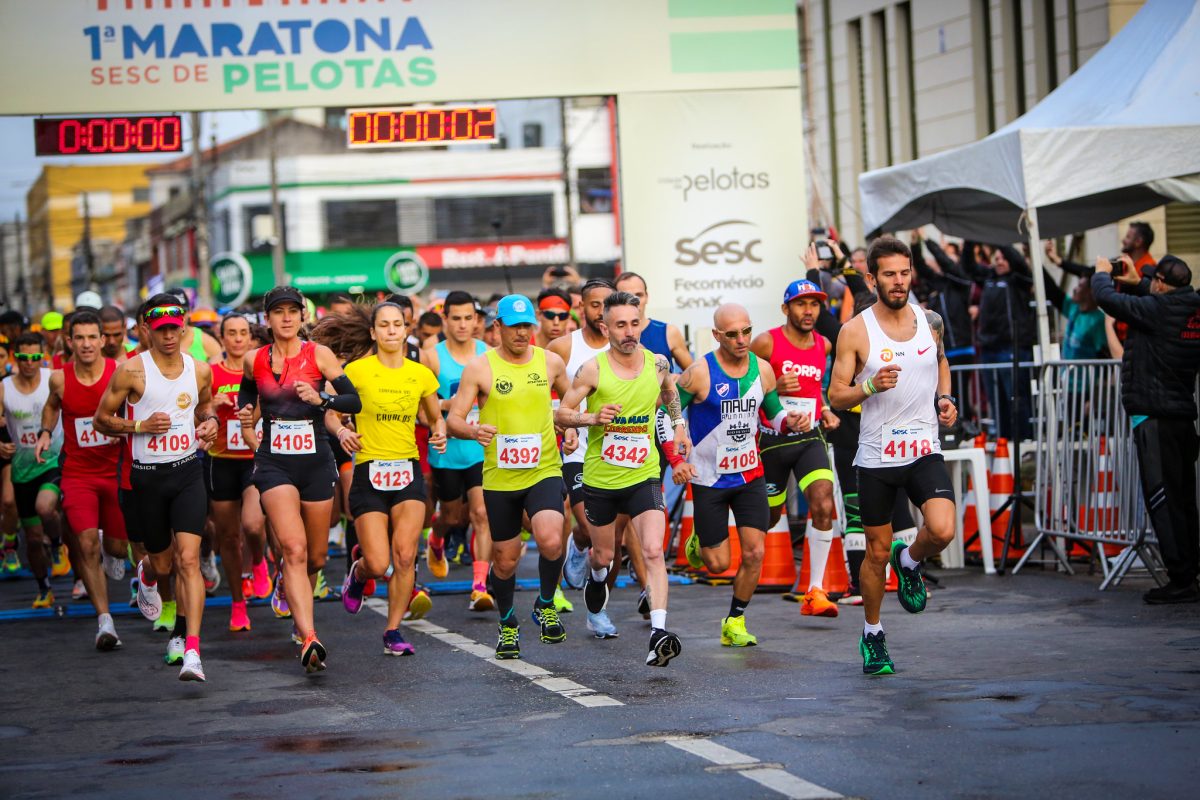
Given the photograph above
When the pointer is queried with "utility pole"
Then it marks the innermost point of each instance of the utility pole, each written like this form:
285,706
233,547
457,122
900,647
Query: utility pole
277,255
89,258
566,176
4,271
200,216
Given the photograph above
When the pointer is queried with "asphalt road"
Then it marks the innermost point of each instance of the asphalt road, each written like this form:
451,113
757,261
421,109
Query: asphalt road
1034,685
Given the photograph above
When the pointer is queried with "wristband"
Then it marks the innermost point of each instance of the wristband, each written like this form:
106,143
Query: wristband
868,387
341,430
45,430
678,423
137,426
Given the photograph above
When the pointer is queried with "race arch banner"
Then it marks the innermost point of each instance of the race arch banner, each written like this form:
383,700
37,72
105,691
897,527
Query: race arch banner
713,201
125,56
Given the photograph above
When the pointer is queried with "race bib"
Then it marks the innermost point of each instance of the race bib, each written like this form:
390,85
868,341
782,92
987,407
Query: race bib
802,405
523,451
473,416
735,457
27,433
179,440
293,437
905,443
629,450
233,435
390,476
87,436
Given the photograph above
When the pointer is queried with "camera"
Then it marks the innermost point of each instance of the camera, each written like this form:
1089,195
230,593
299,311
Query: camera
824,251
559,272
1118,266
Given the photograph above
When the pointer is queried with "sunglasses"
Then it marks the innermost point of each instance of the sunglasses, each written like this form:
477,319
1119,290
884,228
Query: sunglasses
161,312
557,315
735,334
30,356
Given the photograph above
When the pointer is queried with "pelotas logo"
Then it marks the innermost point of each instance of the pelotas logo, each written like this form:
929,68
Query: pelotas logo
712,181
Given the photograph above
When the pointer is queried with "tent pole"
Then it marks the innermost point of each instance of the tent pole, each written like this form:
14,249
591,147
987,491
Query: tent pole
1039,285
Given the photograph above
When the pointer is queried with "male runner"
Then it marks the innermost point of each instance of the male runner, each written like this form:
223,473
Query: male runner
170,394
575,350
522,471
35,482
893,353
458,472
727,390
797,355
112,330
89,467
621,472
554,312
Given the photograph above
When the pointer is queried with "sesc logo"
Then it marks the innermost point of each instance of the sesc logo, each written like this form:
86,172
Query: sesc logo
726,242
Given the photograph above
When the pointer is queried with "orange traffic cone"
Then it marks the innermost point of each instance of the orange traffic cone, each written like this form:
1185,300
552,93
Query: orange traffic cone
1000,484
686,525
1104,516
836,579
779,564
970,520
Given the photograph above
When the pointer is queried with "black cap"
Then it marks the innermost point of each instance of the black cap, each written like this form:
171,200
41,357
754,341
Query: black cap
280,295
14,317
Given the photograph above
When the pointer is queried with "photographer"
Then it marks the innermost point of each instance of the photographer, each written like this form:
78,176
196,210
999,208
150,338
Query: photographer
1158,383
950,296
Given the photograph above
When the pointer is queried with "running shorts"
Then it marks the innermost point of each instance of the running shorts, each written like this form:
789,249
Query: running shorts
313,475
923,479
603,505
365,497
26,493
227,478
90,502
169,498
504,508
129,510
453,484
748,503
572,473
807,459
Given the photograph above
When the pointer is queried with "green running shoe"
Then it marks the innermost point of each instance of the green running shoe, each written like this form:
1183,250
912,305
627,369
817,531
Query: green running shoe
561,603
166,620
910,586
508,645
734,634
692,550
876,660
321,590
552,628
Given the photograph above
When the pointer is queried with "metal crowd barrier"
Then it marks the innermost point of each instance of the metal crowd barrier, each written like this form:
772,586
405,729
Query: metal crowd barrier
1088,487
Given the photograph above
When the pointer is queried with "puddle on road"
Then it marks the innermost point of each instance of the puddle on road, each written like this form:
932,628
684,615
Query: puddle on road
332,744
138,761
372,768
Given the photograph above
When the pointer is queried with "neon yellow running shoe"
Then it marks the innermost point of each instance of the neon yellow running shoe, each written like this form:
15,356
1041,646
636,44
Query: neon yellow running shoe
692,550
321,590
561,604
166,620
734,633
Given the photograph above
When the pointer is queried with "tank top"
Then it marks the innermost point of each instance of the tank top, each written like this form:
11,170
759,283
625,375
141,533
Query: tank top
390,399
86,451
723,427
229,443
654,339
290,425
460,453
523,451
196,350
177,399
581,353
808,365
899,425
624,453
23,413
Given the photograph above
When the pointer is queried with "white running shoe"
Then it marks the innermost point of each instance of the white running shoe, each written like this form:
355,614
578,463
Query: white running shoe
114,567
106,635
79,591
148,599
212,576
192,669
175,649
575,567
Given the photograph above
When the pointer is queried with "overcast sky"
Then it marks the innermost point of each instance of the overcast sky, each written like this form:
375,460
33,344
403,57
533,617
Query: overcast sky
19,167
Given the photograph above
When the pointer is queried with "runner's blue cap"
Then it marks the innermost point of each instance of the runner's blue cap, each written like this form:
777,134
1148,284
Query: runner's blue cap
802,288
516,309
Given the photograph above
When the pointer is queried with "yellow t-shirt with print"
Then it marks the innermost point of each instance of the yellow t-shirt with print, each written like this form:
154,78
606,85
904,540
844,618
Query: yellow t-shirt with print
390,399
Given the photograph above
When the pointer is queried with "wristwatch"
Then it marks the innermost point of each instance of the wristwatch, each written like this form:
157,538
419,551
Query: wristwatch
953,400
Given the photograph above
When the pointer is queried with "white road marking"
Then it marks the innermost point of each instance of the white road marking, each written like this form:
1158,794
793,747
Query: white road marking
767,775
538,676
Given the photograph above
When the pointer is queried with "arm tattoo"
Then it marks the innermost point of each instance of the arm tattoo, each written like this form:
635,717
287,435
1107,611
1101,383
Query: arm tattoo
939,329
684,381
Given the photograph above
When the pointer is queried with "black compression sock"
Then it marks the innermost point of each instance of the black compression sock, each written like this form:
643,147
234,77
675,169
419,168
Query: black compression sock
737,607
548,575
504,589
180,626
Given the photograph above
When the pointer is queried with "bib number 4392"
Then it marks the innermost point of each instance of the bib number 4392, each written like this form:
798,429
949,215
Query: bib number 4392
523,451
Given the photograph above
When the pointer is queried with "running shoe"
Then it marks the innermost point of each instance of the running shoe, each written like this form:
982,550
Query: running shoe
312,654
395,645
734,633
419,604
175,649
435,558
910,586
853,599
321,590
114,567
279,603
575,566
297,639
44,599
149,601
133,592
601,626
508,644
12,562
817,604
561,603
106,635
644,604
238,619
352,591
595,594
876,660
692,550
212,575
192,669
60,563
79,591
337,539
481,600
664,646
552,631
262,580
166,619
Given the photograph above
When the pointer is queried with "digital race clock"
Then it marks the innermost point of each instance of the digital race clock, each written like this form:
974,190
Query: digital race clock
407,126
70,136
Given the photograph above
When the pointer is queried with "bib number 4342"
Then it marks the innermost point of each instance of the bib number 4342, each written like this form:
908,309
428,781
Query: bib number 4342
625,449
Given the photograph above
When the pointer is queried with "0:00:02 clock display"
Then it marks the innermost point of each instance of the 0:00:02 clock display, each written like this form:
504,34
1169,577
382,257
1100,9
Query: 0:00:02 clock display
397,127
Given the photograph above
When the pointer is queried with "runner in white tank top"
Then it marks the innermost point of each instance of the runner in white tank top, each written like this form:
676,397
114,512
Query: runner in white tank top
893,352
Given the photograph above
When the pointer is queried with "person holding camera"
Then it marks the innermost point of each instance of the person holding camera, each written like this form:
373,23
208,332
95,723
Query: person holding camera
1158,384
